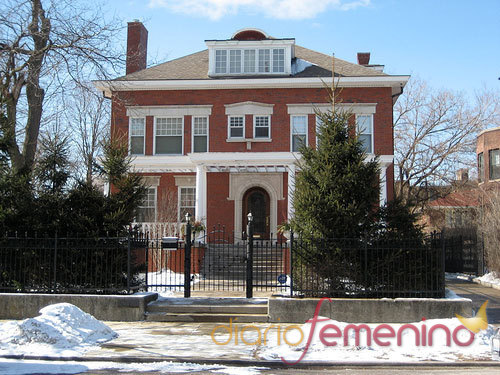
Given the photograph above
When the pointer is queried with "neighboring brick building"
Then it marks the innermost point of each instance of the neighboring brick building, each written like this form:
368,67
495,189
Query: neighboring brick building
217,131
488,156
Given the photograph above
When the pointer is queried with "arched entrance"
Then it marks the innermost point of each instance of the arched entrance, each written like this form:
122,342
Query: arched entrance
256,200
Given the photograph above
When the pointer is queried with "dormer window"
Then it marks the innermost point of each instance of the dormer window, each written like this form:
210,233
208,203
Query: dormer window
250,52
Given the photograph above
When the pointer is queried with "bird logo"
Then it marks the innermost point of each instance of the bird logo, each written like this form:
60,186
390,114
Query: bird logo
477,323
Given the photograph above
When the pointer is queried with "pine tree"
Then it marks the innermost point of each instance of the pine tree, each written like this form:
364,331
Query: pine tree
336,188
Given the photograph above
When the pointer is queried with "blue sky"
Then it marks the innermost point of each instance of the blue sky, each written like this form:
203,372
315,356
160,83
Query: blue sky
451,44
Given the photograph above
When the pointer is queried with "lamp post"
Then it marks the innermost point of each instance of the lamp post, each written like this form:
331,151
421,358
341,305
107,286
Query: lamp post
250,256
187,258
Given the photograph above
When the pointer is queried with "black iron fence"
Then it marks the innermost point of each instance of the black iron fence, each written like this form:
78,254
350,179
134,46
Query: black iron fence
356,268
109,265
464,253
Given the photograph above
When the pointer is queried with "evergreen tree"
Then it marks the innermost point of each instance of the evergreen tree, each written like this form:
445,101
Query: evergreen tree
336,188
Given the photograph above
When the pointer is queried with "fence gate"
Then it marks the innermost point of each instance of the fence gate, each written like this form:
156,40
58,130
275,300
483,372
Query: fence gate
464,254
217,262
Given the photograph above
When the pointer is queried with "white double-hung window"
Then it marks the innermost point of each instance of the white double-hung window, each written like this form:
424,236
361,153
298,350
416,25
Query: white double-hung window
136,132
220,61
299,132
187,202
262,126
364,129
146,212
168,135
200,134
236,126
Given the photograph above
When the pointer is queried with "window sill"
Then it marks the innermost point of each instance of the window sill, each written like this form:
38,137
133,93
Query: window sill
242,140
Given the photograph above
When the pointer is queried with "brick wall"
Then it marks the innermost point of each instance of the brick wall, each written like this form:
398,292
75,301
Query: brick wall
489,140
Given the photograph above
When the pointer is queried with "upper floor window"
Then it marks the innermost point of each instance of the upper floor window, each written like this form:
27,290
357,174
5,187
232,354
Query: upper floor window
480,164
494,164
236,127
364,129
250,61
136,133
200,134
168,136
262,126
299,132
146,212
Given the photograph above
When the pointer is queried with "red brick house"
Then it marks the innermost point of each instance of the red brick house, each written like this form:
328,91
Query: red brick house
216,132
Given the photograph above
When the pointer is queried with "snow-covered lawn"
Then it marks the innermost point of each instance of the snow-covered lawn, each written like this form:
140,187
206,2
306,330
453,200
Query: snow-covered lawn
492,278
167,277
61,329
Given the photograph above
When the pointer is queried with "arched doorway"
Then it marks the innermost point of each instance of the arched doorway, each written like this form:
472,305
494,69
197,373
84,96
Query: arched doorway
256,200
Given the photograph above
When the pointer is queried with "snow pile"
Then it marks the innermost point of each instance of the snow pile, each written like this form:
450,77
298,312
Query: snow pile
61,329
457,276
408,351
167,277
492,278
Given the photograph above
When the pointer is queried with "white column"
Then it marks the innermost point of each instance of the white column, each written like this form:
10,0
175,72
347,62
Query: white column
383,185
291,189
201,193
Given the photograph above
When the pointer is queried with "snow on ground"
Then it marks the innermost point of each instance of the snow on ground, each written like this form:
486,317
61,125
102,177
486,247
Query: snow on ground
60,329
479,349
167,277
450,294
15,367
456,275
492,278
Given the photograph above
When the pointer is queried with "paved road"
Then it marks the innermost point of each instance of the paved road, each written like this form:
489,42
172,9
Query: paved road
478,294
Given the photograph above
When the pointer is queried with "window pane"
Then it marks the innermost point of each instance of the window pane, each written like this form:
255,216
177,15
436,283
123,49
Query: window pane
366,140
494,164
147,208
220,61
264,60
261,127
249,61
297,142
235,61
299,124
480,162
200,126
364,124
137,145
169,126
137,126
187,202
236,133
169,145
200,143
278,60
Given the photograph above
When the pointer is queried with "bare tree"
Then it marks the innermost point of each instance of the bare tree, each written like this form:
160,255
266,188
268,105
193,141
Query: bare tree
44,44
87,114
489,226
435,135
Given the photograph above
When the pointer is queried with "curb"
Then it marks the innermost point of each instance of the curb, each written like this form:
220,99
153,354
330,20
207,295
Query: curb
253,363
485,283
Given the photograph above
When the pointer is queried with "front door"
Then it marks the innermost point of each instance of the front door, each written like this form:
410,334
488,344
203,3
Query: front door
256,201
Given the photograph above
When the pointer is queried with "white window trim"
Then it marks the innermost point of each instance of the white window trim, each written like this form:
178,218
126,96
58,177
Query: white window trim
130,136
371,130
269,126
182,135
291,130
179,188
229,127
192,132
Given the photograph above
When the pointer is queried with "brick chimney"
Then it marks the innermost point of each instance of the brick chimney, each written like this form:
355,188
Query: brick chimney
363,58
137,46
462,175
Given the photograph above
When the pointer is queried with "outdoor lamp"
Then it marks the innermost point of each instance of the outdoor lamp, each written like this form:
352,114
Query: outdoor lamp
495,344
188,217
250,217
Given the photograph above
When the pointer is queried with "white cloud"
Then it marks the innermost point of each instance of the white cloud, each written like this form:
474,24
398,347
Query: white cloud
283,9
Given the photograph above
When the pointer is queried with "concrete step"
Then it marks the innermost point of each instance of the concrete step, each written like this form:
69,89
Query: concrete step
208,309
206,318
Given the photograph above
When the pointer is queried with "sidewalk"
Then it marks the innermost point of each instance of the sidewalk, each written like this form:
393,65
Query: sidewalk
478,294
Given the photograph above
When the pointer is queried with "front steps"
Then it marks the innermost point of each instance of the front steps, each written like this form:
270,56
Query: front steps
215,310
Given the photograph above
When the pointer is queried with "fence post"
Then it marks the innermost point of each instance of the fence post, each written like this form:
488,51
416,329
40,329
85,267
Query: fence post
291,263
250,256
146,257
129,246
443,260
187,258
55,262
